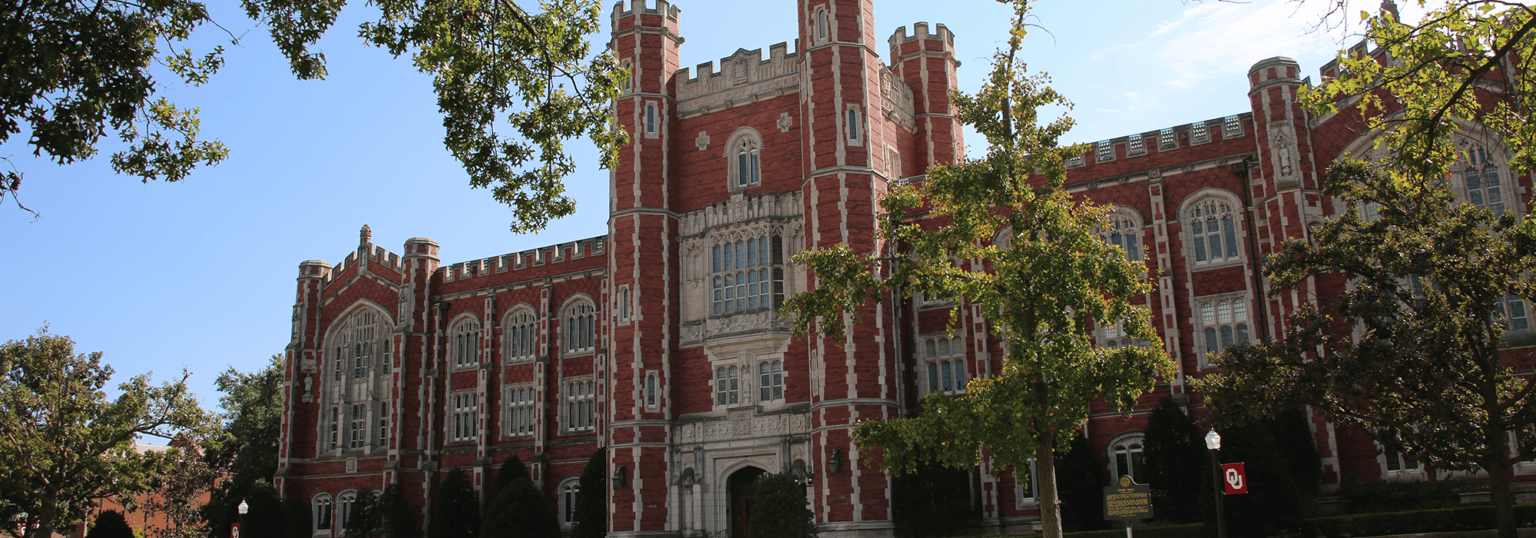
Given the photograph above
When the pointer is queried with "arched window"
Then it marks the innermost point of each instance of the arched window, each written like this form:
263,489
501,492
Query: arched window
579,326
1124,232
650,391
322,513
748,274
344,509
465,339
853,125
727,385
568,490
1126,457
1213,230
943,364
821,25
770,381
1223,322
1480,175
357,427
1114,336
518,335
355,344
745,167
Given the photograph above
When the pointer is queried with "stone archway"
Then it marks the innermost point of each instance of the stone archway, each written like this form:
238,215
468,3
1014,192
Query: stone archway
742,485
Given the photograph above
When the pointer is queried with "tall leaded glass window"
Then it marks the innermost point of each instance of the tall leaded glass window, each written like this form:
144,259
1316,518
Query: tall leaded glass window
1223,322
727,385
520,410
770,381
1123,232
1213,230
518,335
465,339
748,274
943,364
466,414
1480,174
745,165
580,402
580,327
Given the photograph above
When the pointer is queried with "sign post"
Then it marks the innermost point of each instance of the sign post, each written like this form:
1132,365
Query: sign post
1127,502
1235,478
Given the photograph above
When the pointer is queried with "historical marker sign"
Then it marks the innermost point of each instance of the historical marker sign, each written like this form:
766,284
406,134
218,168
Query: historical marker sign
1128,500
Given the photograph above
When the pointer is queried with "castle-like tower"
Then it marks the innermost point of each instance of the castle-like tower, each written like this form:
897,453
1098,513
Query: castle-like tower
661,342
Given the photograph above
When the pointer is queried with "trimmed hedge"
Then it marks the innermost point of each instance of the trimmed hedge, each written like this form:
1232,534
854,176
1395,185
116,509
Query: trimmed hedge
1462,518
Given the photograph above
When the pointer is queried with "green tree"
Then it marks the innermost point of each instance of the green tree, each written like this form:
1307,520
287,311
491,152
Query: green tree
1175,461
1430,277
1082,480
1294,441
779,511
366,518
520,511
511,469
110,524
932,501
246,448
396,520
1045,281
267,516
591,513
176,493
298,514
513,84
66,444
456,510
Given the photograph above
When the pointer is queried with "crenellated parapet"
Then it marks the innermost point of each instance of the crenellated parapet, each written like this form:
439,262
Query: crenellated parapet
1169,139
538,257
740,79
637,14
941,41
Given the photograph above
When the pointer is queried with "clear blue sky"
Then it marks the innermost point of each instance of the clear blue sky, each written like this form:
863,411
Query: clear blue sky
200,274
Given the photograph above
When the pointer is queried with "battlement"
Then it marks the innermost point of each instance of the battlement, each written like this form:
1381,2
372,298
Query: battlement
1359,50
574,250
367,254
1168,139
920,33
744,77
637,7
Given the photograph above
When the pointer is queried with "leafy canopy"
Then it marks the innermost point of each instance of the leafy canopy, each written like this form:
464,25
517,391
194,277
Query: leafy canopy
66,444
1431,280
1043,275
513,85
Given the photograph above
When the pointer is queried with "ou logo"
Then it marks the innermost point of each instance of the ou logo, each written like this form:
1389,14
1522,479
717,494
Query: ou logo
1235,477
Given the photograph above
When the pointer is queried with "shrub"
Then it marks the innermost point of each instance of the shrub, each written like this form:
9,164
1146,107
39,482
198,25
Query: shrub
1175,463
520,511
395,520
591,513
1293,439
110,524
456,512
1397,496
297,512
932,501
511,469
779,511
1080,485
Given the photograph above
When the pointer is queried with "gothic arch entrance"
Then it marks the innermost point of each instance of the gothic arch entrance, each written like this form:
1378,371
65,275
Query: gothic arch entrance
743,487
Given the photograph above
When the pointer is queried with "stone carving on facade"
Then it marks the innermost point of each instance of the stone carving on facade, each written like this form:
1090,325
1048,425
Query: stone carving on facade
702,141
785,122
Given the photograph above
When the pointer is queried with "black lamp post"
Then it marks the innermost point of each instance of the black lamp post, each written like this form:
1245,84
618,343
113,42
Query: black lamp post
1213,442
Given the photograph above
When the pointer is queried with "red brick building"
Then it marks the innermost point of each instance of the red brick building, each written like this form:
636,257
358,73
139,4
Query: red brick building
661,340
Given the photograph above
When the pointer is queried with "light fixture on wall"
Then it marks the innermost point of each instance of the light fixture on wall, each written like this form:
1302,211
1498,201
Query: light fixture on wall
835,464
618,478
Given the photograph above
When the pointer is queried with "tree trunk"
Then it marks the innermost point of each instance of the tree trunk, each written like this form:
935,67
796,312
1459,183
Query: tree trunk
1045,472
1498,486
45,519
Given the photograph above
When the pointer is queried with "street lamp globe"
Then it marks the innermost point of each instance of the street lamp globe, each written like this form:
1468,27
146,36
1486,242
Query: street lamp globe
244,508
1213,440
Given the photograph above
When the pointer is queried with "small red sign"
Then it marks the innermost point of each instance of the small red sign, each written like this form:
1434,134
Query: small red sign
234,530
1236,479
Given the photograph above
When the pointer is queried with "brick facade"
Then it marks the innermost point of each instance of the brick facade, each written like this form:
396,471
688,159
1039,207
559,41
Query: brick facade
401,368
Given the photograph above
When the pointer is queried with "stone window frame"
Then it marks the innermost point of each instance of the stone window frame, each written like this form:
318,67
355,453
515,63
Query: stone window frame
578,326
1203,200
520,408
1241,323
567,491
383,424
1126,228
344,502
855,126
744,147
1166,140
1135,146
519,327
1199,133
821,26
1026,498
725,385
357,426
1232,127
578,409
650,119
464,342
770,380
1128,450
1484,158
622,302
934,364
463,422
721,265
652,390
322,514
